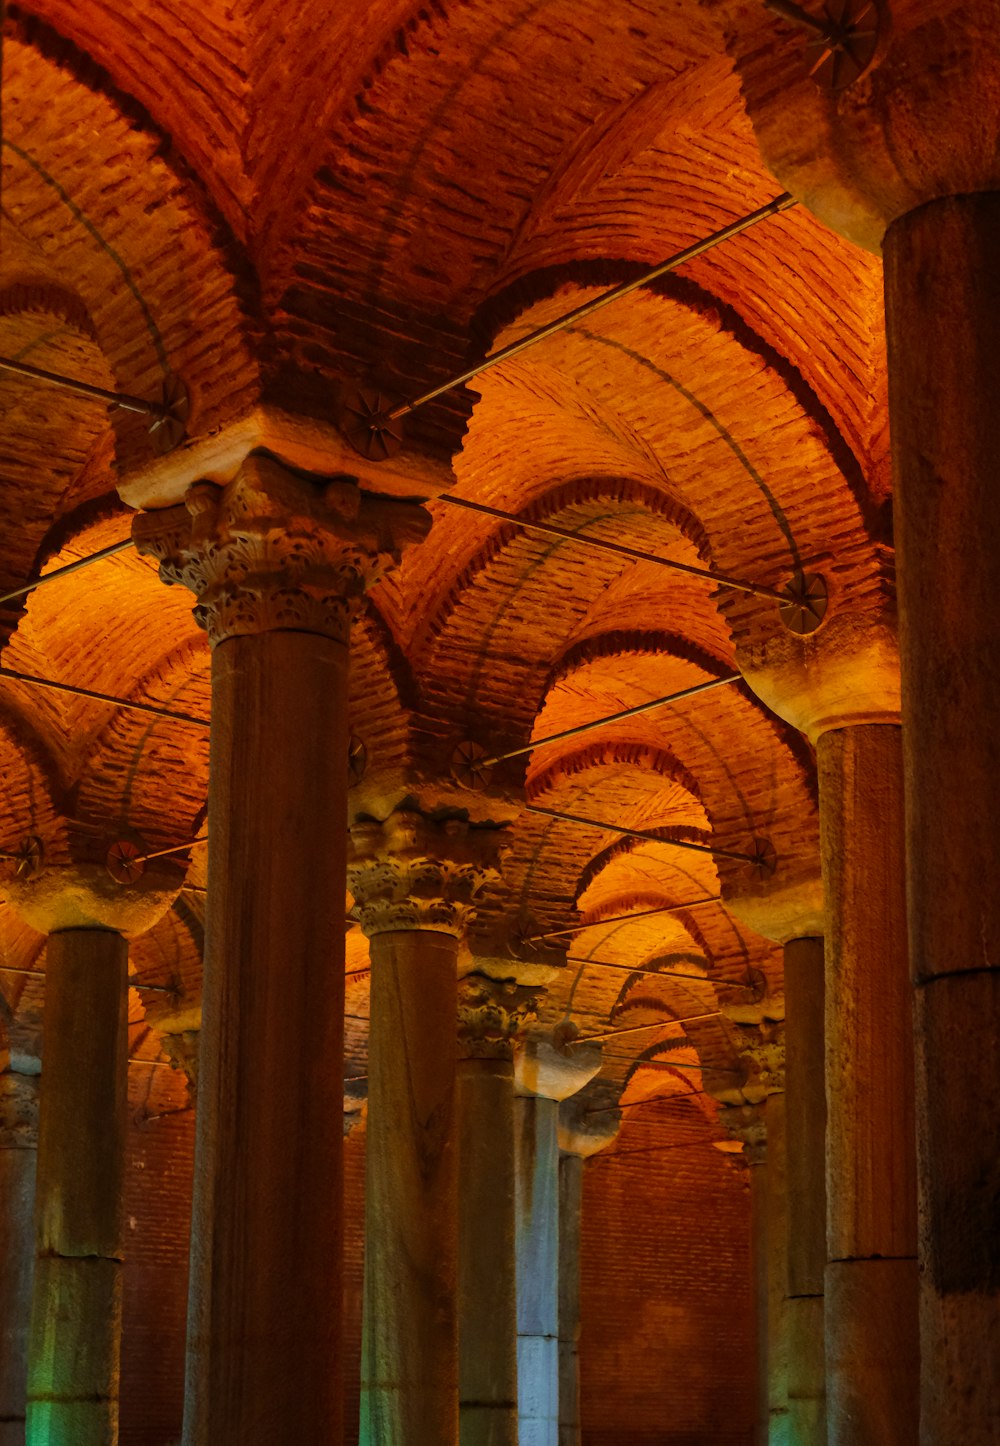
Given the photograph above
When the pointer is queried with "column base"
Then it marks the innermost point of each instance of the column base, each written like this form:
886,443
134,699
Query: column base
872,1353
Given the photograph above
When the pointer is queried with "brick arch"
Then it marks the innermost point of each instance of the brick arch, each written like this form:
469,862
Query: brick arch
82,160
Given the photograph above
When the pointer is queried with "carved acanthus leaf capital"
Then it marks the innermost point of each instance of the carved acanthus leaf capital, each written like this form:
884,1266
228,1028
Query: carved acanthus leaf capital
18,1111
748,1125
492,1014
275,549
414,871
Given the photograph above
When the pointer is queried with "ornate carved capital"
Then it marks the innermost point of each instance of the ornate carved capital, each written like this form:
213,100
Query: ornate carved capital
748,1125
417,872
491,1016
275,549
182,1051
18,1111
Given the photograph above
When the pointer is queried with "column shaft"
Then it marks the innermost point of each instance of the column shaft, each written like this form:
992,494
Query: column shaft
265,1308
75,1337
871,1278
570,1222
18,1149
409,1389
805,1114
776,1369
486,1241
538,1270
943,315
759,1260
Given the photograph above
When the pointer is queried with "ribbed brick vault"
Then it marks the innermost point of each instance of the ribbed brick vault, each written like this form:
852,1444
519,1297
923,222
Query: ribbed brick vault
275,200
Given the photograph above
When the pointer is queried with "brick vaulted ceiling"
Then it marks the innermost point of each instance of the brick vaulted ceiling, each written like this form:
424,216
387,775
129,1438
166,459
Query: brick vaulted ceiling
275,200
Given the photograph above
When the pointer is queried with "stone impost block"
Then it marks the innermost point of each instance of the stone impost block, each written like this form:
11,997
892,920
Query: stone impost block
276,550
73,889
920,124
589,1121
415,871
553,1067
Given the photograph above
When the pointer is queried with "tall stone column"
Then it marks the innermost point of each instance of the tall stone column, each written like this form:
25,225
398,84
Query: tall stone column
74,1340
548,1071
943,311
872,1352
414,880
18,1147
747,1123
491,1015
588,1122
805,1124
278,562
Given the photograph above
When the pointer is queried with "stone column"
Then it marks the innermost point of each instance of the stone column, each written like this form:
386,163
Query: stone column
943,311
747,1124
413,881
872,1355
18,1146
805,1123
491,1014
74,1341
548,1071
588,1122
278,562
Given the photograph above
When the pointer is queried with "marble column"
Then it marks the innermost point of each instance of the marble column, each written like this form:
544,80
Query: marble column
872,1355
279,562
491,1015
805,1124
414,879
588,1122
18,1147
74,1339
548,1071
942,285
748,1124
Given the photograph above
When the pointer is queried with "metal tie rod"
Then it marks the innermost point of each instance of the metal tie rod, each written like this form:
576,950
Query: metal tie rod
645,834
611,718
127,402
60,572
75,691
550,529
637,1028
623,918
515,348
661,973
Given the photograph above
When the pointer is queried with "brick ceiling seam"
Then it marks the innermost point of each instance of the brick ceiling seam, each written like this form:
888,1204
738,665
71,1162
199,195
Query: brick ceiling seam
504,316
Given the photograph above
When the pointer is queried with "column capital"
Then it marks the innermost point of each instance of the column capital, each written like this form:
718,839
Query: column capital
551,1067
867,149
748,1125
275,549
415,871
492,1014
182,1050
67,882
18,1111
589,1121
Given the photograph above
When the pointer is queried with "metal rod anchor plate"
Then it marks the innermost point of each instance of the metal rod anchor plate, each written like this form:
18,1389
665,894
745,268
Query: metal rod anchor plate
806,599
368,425
169,428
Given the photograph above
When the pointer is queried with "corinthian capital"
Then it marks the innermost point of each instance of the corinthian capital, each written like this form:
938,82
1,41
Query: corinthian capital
491,1016
274,549
417,872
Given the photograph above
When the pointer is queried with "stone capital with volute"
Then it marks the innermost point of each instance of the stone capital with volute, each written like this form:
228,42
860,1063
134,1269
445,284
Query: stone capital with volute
277,550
